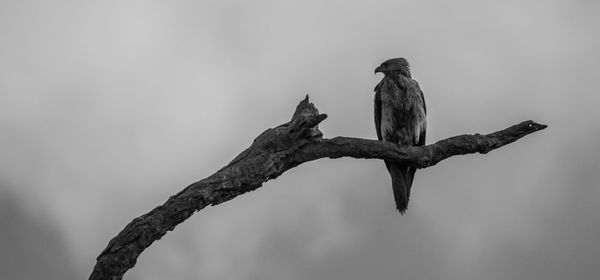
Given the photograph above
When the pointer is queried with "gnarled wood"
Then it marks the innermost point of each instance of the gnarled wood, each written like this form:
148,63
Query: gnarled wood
271,154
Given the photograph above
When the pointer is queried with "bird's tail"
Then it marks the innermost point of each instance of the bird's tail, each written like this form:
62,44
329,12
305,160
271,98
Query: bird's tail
402,178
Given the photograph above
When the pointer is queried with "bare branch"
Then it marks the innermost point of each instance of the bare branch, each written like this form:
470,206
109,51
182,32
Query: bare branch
271,154
420,157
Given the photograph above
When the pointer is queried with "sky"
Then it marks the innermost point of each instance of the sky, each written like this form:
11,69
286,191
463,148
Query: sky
109,107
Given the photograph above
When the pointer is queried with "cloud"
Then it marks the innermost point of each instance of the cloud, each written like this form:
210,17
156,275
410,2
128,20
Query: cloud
32,247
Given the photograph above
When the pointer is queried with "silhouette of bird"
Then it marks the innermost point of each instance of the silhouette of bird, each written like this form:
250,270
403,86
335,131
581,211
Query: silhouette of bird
400,117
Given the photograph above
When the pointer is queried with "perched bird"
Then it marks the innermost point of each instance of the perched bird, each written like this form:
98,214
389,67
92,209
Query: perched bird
400,117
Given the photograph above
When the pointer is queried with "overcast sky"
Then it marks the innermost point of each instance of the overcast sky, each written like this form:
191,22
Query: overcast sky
109,107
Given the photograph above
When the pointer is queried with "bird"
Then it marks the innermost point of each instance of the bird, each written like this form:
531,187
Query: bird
400,117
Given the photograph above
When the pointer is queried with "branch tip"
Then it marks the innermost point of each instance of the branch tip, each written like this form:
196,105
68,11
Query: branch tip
530,126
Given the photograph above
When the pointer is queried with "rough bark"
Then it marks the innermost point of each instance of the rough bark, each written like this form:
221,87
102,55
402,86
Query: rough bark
272,153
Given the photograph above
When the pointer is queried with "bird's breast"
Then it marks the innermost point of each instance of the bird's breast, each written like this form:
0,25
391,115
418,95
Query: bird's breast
402,111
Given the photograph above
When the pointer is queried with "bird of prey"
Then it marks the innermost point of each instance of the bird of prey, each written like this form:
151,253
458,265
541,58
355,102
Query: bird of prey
400,117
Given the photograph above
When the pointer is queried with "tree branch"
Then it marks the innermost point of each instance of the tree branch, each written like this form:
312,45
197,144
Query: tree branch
271,154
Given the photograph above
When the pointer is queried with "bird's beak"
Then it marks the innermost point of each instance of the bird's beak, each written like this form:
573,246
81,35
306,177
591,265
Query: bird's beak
378,70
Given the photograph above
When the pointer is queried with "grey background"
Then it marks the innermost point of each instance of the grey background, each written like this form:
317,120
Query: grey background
109,107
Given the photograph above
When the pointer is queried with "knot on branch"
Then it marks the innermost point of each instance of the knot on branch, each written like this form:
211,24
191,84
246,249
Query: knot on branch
305,121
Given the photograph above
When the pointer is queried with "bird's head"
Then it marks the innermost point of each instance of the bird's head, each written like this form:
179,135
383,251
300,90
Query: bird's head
394,66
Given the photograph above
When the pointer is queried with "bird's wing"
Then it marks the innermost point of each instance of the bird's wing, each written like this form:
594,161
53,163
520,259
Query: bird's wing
423,99
422,137
421,141
378,112
417,140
